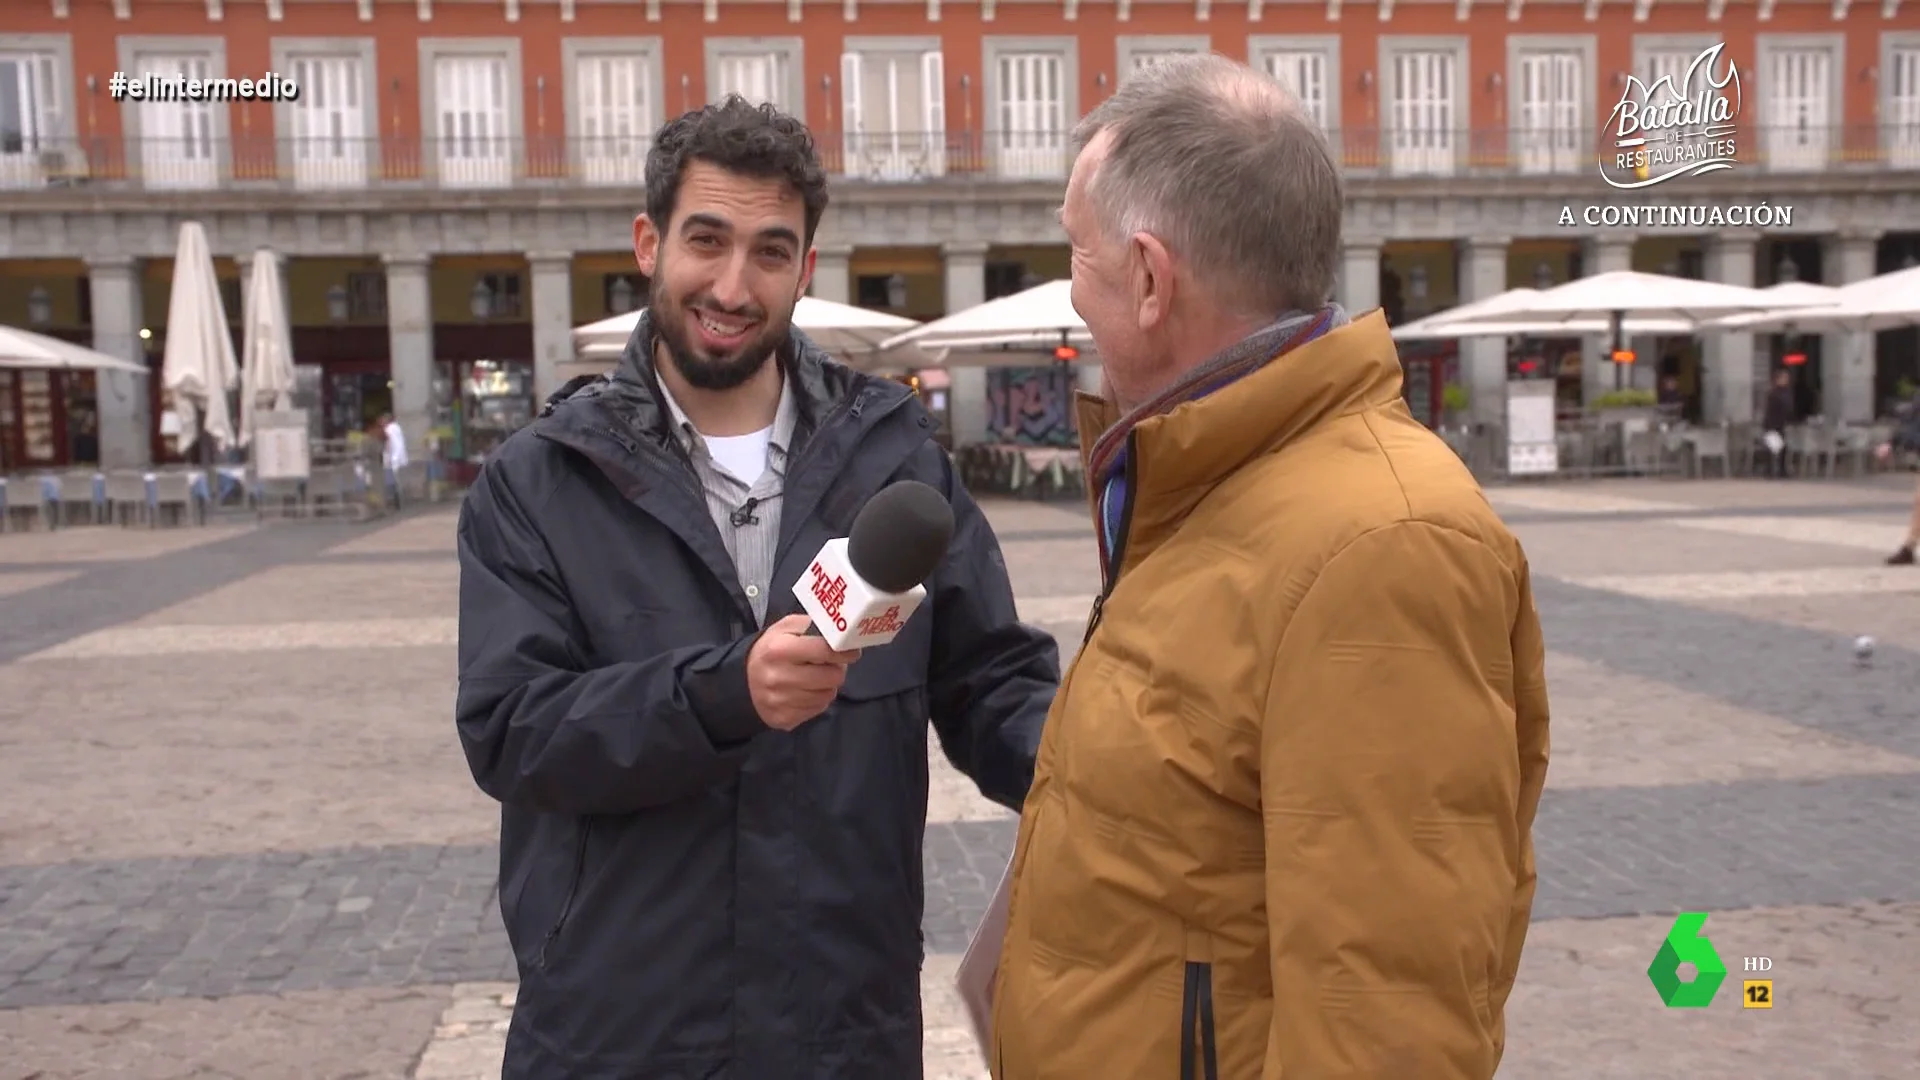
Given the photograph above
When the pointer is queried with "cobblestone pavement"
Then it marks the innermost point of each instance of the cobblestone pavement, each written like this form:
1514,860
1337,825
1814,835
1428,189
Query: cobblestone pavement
237,837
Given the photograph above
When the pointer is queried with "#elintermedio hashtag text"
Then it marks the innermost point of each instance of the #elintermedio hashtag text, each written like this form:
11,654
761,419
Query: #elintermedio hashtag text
153,87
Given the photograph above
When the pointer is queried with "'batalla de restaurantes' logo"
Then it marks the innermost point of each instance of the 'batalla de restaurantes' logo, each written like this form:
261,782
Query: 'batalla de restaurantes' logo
1669,130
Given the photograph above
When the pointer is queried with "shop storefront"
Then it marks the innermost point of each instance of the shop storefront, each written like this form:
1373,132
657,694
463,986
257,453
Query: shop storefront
47,419
477,404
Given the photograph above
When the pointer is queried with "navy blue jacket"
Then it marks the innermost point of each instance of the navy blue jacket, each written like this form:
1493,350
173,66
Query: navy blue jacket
690,894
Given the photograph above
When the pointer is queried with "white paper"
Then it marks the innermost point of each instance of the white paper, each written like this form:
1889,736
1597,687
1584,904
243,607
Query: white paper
981,965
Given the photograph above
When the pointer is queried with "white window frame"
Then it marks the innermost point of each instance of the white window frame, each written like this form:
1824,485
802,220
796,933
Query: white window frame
1130,50
1555,151
622,159
869,152
1443,153
1030,155
1784,148
789,54
1647,46
49,150
1900,119
476,172
359,159
138,54
1263,48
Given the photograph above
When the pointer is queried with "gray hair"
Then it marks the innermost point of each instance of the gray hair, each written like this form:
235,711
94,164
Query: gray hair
1223,165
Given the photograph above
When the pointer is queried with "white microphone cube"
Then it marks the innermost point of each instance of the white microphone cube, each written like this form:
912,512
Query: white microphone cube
848,612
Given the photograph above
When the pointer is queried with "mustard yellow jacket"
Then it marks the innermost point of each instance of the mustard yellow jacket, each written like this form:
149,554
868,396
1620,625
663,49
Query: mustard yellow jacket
1281,822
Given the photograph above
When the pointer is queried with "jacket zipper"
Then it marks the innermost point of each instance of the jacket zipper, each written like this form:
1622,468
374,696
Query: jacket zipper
1196,1025
573,891
1112,575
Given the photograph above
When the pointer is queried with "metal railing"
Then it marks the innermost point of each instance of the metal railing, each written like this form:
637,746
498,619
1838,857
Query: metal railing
894,157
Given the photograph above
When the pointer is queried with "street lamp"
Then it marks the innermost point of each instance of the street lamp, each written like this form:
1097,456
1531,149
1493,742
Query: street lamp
1542,275
337,303
481,301
620,296
897,291
39,306
1786,269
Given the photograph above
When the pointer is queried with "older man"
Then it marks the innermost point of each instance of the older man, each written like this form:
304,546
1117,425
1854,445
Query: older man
1280,823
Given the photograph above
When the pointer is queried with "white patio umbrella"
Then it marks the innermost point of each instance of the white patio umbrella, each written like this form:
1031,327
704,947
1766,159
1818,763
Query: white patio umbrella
25,349
841,329
1887,302
1043,314
1804,294
1518,326
267,375
1617,294
198,368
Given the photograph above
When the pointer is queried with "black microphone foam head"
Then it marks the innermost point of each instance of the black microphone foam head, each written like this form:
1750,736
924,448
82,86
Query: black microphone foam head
900,536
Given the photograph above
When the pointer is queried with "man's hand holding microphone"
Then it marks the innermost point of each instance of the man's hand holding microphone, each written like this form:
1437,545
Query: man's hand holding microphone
858,592
793,675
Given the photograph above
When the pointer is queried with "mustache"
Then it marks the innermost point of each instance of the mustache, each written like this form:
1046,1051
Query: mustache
748,311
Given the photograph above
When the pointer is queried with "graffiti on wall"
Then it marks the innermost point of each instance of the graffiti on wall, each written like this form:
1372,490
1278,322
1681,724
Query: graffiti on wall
1032,406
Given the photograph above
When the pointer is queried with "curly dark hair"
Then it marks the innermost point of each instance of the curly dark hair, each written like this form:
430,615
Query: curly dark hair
752,140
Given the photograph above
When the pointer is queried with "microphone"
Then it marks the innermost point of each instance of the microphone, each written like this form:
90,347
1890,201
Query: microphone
861,589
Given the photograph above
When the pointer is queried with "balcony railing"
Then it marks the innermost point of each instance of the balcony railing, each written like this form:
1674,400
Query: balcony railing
904,157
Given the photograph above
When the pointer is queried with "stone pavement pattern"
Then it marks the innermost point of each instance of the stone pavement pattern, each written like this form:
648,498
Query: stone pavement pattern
238,839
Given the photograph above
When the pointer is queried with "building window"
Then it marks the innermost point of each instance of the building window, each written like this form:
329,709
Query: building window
177,138
615,107
329,125
1900,74
1423,106
1137,52
762,70
1031,105
893,109
1800,110
366,296
471,120
497,296
32,124
1309,66
1549,129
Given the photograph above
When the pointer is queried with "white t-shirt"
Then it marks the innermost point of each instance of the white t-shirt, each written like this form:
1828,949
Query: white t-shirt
745,456
396,446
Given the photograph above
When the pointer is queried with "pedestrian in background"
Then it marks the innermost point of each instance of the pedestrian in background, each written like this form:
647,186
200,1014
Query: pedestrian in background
1781,412
393,455
1906,440
711,822
1282,820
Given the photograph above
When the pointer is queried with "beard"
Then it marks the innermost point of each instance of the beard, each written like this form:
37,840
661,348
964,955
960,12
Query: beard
700,368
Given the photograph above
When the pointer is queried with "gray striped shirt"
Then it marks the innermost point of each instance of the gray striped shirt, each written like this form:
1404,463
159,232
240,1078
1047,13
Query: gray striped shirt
756,506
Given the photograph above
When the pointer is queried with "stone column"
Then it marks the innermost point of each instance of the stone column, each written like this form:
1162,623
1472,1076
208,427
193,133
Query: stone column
1847,360
552,320
1483,360
1728,358
1359,287
1603,255
832,275
122,398
966,285
410,343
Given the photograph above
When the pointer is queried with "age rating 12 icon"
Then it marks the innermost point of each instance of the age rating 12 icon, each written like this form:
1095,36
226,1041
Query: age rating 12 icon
1686,944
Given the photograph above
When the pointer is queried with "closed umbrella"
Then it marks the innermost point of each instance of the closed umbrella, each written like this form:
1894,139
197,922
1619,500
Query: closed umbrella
198,367
267,377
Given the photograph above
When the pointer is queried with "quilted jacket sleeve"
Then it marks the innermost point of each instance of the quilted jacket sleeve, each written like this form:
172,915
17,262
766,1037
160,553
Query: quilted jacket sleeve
1403,753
